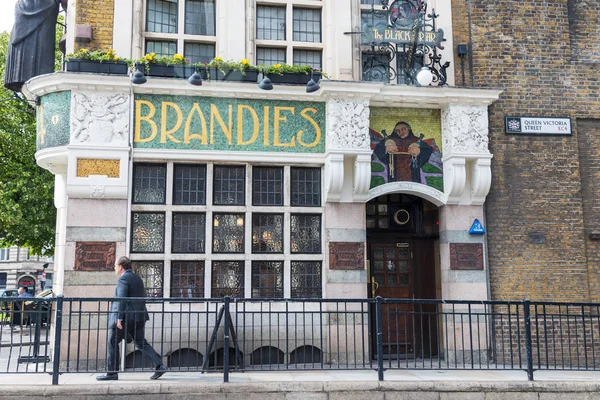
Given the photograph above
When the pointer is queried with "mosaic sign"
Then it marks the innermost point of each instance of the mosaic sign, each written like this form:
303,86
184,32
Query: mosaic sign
53,120
95,256
200,123
406,146
466,256
347,255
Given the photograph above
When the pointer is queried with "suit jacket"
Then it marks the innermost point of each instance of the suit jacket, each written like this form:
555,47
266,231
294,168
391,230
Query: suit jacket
129,285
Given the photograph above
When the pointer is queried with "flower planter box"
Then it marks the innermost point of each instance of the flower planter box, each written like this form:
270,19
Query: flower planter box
294,78
214,74
97,67
167,71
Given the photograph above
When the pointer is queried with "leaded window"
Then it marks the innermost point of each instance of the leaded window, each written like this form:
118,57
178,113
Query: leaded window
151,273
267,186
150,182
270,22
200,17
188,232
267,233
306,187
307,25
306,279
270,56
308,57
305,233
267,279
229,184
190,184
227,279
187,279
228,233
161,16
147,232
161,48
199,52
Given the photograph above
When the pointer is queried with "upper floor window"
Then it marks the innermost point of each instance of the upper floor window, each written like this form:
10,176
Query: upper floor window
290,33
193,35
5,254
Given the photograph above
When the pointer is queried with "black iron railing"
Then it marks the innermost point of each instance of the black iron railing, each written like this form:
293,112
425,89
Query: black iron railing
69,335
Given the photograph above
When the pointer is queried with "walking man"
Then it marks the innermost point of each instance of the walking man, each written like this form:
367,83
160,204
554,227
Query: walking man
128,318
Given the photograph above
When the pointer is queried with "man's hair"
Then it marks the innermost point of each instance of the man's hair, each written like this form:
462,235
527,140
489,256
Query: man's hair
25,290
124,262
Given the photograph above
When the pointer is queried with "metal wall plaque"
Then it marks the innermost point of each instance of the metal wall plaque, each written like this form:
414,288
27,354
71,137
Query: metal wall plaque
347,255
537,125
95,256
466,256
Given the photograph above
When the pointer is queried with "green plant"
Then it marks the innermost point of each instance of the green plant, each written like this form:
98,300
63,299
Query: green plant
97,55
153,58
280,69
224,66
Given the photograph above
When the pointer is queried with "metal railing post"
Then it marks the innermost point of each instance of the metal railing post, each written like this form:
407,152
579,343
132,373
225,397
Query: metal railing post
57,338
528,342
379,317
226,318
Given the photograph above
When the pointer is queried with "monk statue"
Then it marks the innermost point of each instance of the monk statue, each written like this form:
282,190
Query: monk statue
31,49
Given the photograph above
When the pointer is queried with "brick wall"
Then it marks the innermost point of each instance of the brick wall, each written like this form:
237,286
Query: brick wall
538,182
99,14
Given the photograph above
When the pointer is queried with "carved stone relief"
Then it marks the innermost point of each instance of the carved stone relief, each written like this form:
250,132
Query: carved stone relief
99,118
348,125
465,130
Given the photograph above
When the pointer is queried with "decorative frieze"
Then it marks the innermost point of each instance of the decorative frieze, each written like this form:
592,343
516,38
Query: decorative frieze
100,118
465,130
348,125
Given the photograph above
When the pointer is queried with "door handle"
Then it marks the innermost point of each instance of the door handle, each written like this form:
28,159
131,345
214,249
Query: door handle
374,287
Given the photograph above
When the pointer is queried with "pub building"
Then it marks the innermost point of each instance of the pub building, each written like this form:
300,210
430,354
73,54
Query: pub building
368,184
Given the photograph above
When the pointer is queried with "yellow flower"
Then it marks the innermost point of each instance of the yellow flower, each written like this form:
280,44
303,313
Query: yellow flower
148,57
178,56
218,59
116,58
83,50
245,61
277,65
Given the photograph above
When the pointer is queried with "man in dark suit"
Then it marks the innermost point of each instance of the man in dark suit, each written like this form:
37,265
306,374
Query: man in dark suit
131,315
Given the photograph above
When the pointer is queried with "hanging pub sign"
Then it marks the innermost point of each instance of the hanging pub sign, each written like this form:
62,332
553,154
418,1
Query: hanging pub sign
538,125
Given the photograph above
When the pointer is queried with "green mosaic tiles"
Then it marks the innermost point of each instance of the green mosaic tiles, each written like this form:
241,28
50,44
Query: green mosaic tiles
198,123
53,120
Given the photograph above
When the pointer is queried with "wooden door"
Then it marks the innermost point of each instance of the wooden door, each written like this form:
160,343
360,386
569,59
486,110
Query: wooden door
392,277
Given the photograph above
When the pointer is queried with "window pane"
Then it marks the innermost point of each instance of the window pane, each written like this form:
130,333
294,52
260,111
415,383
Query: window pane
148,232
270,23
306,279
5,254
3,276
376,66
305,233
267,279
307,25
151,273
306,187
188,232
200,17
199,52
161,48
228,233
187,279
269,56
228,279
190,184
161,16
308,57
229,185
149,183
267,187
267,233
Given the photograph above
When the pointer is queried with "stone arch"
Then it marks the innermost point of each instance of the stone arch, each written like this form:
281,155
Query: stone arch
137,360
216,358
417,189
267,355
306,355
185,358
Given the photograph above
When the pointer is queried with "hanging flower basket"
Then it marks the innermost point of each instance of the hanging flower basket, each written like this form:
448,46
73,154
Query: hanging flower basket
294,78
97,67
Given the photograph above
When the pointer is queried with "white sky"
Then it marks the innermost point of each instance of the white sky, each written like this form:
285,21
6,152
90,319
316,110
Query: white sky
7,14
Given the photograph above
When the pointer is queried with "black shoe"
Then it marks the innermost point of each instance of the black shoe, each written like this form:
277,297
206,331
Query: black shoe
108,377
160,371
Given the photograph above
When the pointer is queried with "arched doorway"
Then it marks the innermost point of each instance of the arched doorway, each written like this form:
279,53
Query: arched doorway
403,255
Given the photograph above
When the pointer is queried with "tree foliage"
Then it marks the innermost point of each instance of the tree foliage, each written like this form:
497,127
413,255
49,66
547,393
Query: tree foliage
27,213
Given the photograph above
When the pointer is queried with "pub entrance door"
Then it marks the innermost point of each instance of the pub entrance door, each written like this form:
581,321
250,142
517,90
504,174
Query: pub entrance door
402,238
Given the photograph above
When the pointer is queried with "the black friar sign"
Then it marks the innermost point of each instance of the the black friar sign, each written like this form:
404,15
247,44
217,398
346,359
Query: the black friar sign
401,23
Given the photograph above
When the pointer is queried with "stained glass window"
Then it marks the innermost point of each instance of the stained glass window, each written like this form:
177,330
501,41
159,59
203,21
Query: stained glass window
306,279
188,232
149,183
267,279
148,232
306,233
187,279
151,273
228,279
267,233
228,233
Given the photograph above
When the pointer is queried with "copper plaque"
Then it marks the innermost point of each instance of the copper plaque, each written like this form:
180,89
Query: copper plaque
347,255
466,256
95,256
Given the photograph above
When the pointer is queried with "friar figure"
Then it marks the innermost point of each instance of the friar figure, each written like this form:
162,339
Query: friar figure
31,47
